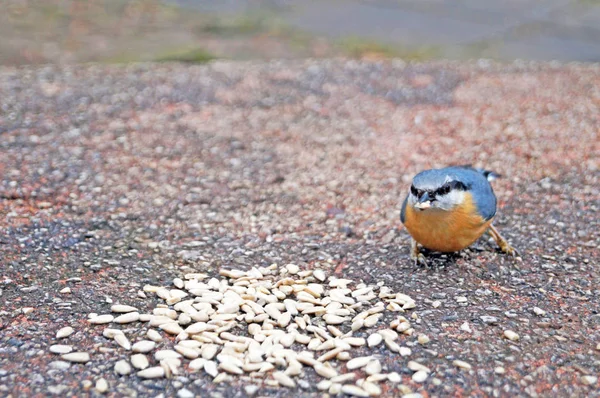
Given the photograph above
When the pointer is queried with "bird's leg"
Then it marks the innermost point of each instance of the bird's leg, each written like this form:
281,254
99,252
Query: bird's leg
415,255
503,243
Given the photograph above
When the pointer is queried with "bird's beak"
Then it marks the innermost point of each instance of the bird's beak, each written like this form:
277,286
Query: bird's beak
424,202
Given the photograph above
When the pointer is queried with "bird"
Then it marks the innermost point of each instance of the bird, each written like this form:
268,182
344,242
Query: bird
448,209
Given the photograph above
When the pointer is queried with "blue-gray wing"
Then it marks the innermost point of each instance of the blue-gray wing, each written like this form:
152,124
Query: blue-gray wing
403,210
480,189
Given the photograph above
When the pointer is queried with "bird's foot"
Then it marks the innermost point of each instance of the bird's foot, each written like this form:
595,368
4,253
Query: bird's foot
416,255
505,247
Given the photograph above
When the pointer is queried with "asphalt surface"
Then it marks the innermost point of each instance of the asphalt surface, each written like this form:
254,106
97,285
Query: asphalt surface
115,177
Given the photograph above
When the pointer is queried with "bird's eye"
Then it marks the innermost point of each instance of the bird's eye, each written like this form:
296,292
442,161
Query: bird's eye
414,190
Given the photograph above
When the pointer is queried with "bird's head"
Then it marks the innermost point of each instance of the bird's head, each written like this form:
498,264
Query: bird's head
431,190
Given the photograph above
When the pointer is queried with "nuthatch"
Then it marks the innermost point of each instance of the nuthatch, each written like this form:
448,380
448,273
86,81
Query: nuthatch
448,209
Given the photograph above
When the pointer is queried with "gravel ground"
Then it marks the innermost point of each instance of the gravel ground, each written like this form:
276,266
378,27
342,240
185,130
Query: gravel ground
116,177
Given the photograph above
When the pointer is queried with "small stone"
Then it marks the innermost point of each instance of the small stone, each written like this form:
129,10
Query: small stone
64,332
490,320
185,393
512,336
466,328
538,311
60,349
122,367
27,310
499,370
589,380
66,290
423,339
251,389
101,385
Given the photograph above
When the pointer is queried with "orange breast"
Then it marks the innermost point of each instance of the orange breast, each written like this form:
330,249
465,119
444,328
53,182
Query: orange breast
446,231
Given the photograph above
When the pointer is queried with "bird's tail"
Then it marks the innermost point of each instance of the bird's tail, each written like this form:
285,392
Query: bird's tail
490,175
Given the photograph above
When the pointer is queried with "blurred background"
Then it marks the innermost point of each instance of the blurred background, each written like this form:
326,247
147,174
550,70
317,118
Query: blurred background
196,31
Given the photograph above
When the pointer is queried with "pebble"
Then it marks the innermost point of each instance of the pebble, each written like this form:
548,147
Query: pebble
65,290
538,311
423,339
80,357
499,370
185,393
589,380
122,367
60,349
512,336
64,332
466,328
490,320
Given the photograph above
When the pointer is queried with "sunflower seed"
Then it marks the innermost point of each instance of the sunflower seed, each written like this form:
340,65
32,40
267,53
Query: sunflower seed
374,340
60,349
353,390
123,341
122,308
284,379
127,318
143,346
461,364
416,366
373,367
64,332
152,373
80,357
512,336
101,319
122,367
420,376
154,336
139,361
358,362
325,371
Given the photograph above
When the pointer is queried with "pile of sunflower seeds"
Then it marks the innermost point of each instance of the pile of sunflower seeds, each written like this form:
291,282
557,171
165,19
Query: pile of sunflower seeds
270,324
